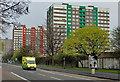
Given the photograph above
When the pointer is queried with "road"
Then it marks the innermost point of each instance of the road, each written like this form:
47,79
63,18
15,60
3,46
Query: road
13,72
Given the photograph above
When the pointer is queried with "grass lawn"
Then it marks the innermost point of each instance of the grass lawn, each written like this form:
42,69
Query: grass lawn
83,69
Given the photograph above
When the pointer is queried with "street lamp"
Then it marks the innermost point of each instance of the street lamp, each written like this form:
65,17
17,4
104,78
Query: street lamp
64,62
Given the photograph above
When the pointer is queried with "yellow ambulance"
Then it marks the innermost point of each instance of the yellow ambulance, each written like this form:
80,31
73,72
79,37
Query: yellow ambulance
28,63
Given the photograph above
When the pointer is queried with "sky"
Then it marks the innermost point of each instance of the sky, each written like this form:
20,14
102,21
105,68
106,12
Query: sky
38,12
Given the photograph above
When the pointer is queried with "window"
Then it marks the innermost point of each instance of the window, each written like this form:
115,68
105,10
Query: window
90,24
77,19
87,13
77,27
73,12
73,19
90,17
73,26
73,23
73,8
69,15
73,15
87,24
77,12
87,16
90,13
87,20
77,15
77,8
69,11
90,20
69,19
77,23
90,9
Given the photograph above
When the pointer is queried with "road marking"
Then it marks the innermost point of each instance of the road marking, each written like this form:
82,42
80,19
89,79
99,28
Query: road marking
20,77
15,65
42,74
66,75
82,78
55,78
0,66
30,71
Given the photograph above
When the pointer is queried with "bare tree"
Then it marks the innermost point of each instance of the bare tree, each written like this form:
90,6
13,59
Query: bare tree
10,11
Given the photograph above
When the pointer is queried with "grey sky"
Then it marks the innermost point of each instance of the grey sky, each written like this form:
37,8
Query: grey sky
37,15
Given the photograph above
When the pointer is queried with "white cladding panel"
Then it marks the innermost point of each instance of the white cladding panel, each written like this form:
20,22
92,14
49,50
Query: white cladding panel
89,7
74,6
59,6
103,9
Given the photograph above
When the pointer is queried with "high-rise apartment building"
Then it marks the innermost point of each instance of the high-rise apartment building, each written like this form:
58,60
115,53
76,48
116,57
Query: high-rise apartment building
28,36
63,18
45,42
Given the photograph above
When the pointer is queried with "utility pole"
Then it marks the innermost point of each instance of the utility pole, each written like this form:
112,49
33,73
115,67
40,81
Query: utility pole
64,62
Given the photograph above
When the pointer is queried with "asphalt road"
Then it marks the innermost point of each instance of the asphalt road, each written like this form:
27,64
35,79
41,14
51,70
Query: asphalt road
13,72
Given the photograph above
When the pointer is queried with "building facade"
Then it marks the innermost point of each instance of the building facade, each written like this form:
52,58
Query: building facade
63,18
45,42
28,36
8,46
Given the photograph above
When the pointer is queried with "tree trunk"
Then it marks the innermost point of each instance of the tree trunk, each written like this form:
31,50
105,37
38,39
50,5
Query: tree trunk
52,61
81,63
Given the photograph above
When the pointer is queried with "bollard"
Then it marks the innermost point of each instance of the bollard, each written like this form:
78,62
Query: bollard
93,71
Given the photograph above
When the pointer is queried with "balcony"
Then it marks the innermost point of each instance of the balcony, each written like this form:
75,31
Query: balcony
82,26
82,11
94,11
82,7
82,18
82,14
69,28
82,22
95,16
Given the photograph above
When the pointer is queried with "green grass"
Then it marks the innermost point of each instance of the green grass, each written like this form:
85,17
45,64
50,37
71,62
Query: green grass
83,69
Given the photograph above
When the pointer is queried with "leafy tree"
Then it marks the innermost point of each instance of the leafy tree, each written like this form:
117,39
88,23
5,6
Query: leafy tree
10,11
89,40
24,52
116,39
1,46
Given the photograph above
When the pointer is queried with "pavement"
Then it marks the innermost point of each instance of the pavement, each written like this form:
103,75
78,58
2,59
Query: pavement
86,73
14,73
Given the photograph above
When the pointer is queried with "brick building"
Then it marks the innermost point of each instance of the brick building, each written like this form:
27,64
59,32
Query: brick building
28,36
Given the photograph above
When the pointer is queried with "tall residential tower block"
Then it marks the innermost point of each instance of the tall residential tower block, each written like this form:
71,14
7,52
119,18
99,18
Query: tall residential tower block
63,18
28,36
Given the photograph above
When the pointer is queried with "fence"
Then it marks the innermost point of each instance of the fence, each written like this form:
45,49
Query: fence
104,63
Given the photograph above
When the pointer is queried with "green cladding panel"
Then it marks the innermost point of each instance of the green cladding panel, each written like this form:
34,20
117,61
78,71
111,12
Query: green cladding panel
69,19
82,16
95,16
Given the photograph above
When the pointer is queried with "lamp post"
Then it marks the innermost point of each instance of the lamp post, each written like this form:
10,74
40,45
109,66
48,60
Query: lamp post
64,62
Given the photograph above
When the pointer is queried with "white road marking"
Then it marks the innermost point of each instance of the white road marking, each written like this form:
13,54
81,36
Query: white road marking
42,74
16,65
0,66
82,78
20,77
55,78
67,75
30,71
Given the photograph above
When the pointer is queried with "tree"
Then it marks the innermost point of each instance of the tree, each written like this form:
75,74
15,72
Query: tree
24,52
10,11
89,40
116,39
1,46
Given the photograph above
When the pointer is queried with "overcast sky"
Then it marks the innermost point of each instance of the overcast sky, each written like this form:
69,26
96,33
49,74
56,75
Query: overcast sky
37,15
